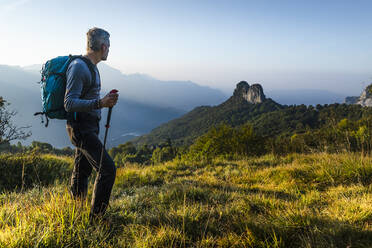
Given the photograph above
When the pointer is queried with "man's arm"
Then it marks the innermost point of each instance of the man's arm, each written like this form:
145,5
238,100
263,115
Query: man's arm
76,76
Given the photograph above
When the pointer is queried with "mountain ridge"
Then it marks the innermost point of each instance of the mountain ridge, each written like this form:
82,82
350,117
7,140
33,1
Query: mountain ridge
19,87
235,111
143,88
249,105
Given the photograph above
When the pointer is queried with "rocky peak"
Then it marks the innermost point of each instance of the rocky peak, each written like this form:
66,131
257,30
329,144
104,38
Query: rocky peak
365,99
252,94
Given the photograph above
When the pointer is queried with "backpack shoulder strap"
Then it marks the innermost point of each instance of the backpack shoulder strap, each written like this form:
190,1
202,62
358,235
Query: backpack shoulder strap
91,69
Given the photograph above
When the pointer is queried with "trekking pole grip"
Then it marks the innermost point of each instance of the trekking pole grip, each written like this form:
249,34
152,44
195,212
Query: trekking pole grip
110,111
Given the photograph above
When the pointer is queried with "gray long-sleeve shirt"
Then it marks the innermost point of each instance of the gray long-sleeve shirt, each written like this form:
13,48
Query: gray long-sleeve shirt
81,95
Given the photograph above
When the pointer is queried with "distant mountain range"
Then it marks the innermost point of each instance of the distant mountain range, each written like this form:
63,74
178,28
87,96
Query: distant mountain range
130,117
141,88
145,103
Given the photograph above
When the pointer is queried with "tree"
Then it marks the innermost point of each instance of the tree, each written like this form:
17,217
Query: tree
163,154
127,148
8,131
42,146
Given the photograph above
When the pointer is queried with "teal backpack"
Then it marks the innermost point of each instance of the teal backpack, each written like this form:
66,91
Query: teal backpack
53,86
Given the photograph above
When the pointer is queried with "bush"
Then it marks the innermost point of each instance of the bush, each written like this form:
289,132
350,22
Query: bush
163,154
127,153
24,171
228,142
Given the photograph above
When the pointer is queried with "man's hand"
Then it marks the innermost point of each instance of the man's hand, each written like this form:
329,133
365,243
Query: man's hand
109,100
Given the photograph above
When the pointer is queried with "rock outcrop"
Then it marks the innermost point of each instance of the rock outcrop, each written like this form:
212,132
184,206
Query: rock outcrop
252,94
365,99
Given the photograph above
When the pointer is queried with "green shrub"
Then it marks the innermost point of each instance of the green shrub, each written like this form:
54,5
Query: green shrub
24,171
163,154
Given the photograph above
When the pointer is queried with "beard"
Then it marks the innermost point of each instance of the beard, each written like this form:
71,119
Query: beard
104,57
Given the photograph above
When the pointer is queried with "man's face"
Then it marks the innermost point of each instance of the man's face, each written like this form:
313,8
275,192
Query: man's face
105,50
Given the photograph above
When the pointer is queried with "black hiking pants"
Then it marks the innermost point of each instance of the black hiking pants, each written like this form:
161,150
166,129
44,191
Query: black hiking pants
84,136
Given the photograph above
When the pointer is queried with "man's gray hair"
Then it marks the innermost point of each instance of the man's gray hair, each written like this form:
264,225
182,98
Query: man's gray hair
96,37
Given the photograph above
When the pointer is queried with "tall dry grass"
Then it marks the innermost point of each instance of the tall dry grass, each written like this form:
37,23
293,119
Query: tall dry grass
317,200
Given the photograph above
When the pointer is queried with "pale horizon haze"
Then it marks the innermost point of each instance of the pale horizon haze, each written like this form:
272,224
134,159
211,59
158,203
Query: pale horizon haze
280,44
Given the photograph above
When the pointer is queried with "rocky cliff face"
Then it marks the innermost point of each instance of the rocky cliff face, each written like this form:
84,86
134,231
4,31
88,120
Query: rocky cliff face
365,99
252,94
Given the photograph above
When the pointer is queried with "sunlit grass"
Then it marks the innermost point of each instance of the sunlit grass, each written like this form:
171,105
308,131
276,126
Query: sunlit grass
317,200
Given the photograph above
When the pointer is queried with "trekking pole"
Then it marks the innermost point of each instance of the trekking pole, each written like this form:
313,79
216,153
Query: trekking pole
107,127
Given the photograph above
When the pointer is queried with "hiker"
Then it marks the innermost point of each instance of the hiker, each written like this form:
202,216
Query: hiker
83,104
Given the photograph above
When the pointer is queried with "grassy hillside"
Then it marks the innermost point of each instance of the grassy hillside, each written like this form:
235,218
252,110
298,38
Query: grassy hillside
315,200
184,130
268,118
298,119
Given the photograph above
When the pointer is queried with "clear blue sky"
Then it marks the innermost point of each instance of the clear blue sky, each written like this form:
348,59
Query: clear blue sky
281,44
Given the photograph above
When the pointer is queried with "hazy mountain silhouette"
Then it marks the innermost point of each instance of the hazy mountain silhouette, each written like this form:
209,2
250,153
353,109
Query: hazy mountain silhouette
183,95
144,103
